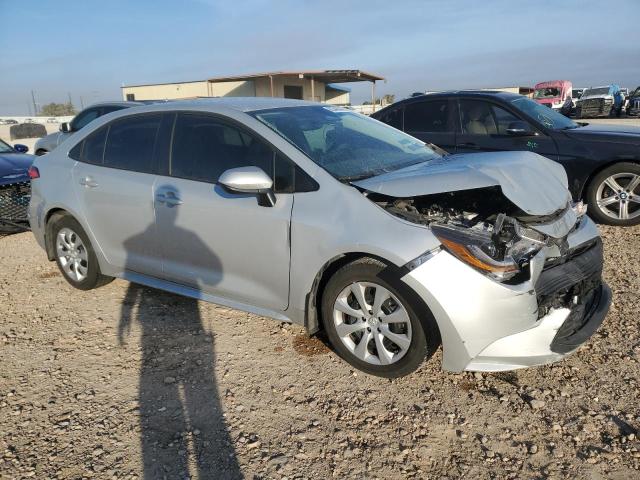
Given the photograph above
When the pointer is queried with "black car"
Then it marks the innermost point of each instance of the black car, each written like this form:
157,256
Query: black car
602,161
15,189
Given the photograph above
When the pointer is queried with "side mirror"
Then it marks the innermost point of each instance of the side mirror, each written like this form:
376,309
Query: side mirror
20,148
64,127
520,129
250,180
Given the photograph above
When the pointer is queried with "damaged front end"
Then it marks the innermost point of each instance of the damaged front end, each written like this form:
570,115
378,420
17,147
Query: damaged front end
486,231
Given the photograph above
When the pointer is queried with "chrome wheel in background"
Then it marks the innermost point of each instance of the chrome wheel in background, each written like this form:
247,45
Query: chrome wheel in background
72,254
372,323
618,196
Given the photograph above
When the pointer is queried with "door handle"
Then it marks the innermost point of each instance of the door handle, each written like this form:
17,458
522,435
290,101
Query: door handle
88,182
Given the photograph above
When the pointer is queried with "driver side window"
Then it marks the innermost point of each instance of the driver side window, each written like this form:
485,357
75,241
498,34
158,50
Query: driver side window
483,118
84,118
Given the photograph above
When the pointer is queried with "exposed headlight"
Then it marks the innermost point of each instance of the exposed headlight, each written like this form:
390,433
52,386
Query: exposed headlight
497,258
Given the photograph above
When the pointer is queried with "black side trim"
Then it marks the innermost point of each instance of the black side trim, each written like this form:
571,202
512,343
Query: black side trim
583,321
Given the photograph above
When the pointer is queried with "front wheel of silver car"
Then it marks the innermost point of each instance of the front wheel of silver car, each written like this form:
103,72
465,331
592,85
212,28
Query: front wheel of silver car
614,195
74,254
374,322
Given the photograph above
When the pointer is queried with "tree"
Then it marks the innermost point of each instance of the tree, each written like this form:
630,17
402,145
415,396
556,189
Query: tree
57,110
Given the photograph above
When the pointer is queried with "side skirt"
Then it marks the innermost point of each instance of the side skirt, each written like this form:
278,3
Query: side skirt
178,289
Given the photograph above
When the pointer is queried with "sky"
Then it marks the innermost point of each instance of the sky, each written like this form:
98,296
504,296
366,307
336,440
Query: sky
89,48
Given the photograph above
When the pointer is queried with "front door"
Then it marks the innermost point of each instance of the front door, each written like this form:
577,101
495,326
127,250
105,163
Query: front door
219,242
483,128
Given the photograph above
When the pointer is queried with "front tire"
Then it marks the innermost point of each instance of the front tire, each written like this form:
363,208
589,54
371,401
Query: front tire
376,323
74,254
41,152
614,195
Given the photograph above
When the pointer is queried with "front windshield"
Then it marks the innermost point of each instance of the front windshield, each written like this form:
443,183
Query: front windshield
596,91
546,92
348,145
545,115
4,148
576,93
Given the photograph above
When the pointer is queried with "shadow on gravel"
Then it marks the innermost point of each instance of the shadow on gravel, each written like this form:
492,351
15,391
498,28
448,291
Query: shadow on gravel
182,429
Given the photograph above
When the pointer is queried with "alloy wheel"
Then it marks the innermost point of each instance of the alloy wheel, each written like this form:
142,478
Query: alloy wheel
618,196
372,323
72,254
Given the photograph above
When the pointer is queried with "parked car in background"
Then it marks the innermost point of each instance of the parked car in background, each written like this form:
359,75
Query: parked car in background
600,102
15,191
555,94
52,120
323,217
633,103
49,142
602,161
10,121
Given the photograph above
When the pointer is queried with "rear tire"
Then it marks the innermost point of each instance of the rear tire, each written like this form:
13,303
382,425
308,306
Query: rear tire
614,195
74,254
398,331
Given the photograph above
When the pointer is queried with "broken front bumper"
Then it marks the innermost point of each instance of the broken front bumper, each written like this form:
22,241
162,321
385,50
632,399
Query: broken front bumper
490,326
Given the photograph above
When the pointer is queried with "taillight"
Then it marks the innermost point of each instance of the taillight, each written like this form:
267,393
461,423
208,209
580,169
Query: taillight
33,172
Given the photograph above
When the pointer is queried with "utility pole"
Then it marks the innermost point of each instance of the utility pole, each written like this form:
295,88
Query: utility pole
81,103
70,102
35,109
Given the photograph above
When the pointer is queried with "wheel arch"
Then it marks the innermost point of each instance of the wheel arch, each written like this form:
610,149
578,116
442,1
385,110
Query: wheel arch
587,183
313,301
55,212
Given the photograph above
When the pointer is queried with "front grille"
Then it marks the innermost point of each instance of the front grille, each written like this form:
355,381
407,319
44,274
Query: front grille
573,275
593,107
14,202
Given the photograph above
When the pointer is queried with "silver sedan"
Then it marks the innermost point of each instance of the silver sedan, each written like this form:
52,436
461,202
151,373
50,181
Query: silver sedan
319,216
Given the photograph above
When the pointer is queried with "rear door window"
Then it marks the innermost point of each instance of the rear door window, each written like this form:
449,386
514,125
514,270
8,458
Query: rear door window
93,149
130,143
431,116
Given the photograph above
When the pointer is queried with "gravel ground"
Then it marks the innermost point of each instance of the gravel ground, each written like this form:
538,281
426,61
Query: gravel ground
130,382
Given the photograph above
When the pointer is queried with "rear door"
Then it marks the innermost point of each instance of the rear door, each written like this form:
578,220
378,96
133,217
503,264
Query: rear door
432,121
483,128
220,242
114,183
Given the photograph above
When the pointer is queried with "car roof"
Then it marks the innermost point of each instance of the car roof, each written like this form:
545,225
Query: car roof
505,96
242,104
119,103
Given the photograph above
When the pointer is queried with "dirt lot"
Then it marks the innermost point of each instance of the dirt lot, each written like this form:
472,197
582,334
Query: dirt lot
129,382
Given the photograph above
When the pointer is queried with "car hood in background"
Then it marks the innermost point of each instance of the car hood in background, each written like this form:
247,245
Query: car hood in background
606,133
533,183
13,167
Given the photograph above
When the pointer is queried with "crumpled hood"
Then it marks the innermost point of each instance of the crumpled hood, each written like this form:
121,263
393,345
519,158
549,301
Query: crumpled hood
13,167
532,182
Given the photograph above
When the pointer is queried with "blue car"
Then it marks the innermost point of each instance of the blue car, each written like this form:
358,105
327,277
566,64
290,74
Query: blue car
15,187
